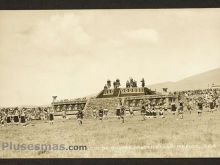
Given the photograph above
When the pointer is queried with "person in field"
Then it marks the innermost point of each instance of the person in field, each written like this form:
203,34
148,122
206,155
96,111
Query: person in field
42,115
131,110
200,106
105,113
51,115
122,114
147,110
23,120
16,117
151,111
173,107
80,116
46,113
218,103
189,106
211,105
2,121
101,113
154,112
28,116
3,117
8,118
118,110
180,109
143,111
161,110
64,113
165,107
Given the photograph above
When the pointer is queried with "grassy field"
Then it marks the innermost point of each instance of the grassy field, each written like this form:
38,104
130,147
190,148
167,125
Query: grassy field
192,136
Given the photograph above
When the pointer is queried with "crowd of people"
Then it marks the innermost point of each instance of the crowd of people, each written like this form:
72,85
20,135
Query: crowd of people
183,102
207,98
25,115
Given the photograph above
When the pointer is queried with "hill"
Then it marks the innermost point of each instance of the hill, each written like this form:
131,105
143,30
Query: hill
198,81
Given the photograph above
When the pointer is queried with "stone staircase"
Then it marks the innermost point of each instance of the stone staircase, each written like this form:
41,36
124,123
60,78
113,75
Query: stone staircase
116,92
96,103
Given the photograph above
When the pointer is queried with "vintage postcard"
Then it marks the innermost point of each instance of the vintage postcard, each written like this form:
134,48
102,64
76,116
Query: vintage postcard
110,83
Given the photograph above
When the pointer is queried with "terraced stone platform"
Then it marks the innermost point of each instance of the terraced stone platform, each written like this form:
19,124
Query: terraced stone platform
111,103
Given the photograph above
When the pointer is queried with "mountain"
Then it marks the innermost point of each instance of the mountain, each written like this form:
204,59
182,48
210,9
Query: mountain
198,81
159,86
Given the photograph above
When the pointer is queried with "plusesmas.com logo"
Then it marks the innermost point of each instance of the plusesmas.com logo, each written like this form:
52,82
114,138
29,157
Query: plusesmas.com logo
41,147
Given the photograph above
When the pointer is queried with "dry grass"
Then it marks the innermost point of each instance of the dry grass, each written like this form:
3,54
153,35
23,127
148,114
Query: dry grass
164,135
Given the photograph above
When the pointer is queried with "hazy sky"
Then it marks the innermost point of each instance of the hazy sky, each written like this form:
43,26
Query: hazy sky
71,53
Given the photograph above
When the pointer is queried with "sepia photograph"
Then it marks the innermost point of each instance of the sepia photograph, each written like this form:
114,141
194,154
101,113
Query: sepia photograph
120,83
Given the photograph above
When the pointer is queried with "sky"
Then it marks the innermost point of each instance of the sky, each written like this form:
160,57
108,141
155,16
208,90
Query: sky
72,53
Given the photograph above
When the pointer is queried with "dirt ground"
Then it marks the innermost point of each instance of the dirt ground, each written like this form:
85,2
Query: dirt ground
192,136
